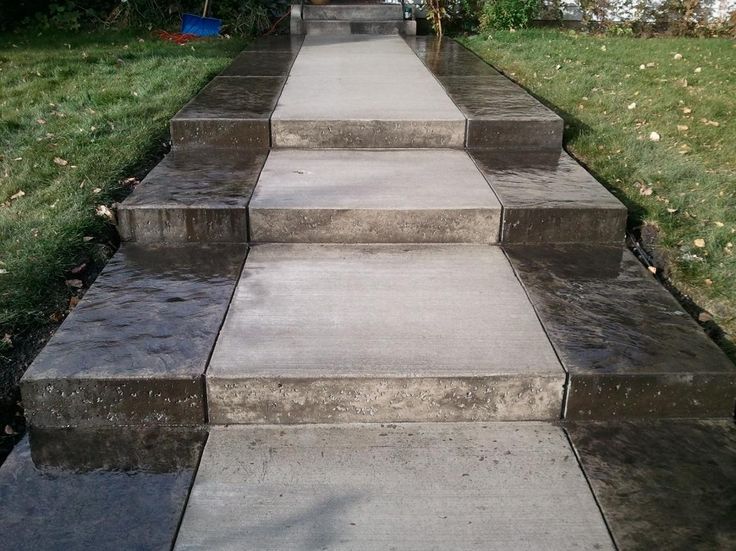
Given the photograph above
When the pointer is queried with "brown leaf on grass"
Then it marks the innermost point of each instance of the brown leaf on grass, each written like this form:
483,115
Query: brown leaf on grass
73,302
9,430
654,137
699,242
682,127
79,269
105,212
61,162
704,317
17,195
7,339
646,191
74,283
40,121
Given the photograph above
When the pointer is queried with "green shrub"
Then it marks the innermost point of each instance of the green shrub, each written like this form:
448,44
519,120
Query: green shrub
508,14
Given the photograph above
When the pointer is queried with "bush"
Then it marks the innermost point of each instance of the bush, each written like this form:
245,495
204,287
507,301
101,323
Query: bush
243,17
508,14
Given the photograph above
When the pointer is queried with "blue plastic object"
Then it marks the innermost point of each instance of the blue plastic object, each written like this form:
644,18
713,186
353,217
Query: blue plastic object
200,26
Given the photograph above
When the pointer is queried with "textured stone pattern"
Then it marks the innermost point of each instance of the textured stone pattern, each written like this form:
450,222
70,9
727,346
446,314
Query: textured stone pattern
501,115
110,491
663,484
195,195
411,487
229,112
629,347
353,196
547,197
135,349
451,322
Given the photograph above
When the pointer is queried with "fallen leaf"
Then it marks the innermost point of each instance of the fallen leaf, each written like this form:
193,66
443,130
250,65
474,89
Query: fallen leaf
3,271
79,269
654,136
687,110
103,211
682,127
40,121
87,239
653,269
7,339
642,67
74,283
20,193
708,281
9,430
678,56
97,190
698,69
646,191
61,162
603,48
672,211
651,64
73,302
700,243
632,106
704,317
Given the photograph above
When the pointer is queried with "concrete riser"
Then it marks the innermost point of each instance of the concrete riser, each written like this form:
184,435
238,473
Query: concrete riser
373,226
317,134
383,400
253,134
375,12
177,225
345,28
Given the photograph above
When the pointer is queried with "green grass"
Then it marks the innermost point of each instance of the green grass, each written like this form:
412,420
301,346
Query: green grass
682,188
79,113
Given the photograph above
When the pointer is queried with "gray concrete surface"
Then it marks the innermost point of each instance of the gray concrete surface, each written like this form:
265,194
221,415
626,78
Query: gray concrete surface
363,92
359,196
499,486
381,333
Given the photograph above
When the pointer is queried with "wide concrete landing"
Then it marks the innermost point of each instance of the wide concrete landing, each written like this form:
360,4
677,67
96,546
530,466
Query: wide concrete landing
374,487
335,333
369,91
374,196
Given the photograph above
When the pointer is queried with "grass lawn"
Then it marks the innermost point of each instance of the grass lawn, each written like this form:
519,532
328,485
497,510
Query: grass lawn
680,183
79,114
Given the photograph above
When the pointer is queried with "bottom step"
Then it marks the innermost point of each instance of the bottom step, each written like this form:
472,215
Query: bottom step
424,486
326,27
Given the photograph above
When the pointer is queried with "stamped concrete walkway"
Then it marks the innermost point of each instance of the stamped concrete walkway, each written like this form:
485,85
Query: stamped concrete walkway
359,306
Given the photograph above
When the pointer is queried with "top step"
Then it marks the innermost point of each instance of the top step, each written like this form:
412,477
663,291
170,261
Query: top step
353,12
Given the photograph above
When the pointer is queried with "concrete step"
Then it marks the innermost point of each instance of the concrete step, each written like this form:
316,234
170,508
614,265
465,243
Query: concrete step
197,194
629,348
134,351
321,27
381,333
411,487
229,112
547,197
376,196
343,92
501,114
354,12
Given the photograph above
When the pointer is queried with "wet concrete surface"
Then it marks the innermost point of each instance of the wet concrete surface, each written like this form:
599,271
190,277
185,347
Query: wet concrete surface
196,194
260,64
501,114
665,484
548,197
229,111
135,349
629,347
113,489
276,43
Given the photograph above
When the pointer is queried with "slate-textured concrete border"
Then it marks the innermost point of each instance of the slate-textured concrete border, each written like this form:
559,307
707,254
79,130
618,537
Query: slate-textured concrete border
235,108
